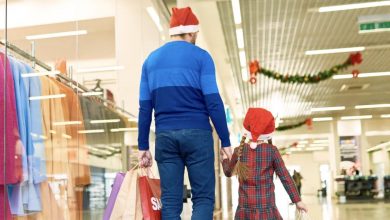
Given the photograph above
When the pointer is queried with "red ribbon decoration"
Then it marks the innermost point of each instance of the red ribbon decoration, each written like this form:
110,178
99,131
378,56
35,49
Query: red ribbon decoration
309,123
355,73
254,67
355,58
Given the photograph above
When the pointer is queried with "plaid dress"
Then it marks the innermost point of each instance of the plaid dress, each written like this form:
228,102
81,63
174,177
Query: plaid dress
256,194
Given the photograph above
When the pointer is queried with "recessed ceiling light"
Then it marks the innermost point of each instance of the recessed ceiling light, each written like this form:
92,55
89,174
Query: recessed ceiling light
336,50
356,117
353,6
385,116
315,148
321,141
91,131
361,75
372,106
322,119
319,145
55,35
240,38
322,109
242,58
105,121
236,11
303,142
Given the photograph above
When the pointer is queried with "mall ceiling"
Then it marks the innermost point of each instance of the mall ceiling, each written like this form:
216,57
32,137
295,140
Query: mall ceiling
278,32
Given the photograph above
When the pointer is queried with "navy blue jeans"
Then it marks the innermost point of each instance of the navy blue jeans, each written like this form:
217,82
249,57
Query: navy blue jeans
191,148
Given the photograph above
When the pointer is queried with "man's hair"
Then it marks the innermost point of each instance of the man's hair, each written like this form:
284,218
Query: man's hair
180,35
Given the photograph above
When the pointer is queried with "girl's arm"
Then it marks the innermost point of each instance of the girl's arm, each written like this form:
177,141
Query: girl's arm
228,165
284,176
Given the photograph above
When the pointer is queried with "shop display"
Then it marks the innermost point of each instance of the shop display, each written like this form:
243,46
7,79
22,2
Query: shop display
48,143
360,187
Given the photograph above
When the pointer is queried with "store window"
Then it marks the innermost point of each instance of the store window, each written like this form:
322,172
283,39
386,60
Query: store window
70,102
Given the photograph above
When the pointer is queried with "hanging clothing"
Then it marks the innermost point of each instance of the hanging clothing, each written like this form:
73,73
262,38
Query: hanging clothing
10,142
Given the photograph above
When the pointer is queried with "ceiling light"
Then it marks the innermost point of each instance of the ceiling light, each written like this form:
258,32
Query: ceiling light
372,106
123,129
322,119
354,6
336,50
361,75
105,121
91,131
242,58
91,93
133,119
240,38
58,34
321,141
377,133
314,148
385,116
323,109
236,11
100,69
301,145
49,73
356,117
156,19
62,123
303,142
244,74
47,97
319,145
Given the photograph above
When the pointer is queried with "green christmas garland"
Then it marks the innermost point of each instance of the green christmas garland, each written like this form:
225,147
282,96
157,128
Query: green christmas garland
255,69
297,125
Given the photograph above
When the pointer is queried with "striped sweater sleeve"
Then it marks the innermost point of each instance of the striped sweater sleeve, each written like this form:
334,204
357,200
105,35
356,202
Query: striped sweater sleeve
213,100
145,111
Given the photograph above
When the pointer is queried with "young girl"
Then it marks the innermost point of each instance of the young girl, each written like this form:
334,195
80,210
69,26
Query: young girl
255,165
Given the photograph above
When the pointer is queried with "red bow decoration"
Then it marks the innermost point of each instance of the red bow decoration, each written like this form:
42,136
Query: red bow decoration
309,123
254,67
355,58
295,144
355,73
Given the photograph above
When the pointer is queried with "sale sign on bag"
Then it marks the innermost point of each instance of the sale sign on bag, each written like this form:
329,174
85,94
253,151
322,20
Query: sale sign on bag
150,193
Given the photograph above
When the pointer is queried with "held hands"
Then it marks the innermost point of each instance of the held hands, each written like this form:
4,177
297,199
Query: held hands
301,206
226,153
145,158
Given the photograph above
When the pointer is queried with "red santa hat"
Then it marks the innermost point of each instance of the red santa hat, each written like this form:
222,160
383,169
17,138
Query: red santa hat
259,124
183,21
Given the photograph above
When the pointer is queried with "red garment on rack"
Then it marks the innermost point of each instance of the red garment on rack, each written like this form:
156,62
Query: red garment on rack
10,143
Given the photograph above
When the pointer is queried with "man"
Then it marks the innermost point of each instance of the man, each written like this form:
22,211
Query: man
178,81
297,177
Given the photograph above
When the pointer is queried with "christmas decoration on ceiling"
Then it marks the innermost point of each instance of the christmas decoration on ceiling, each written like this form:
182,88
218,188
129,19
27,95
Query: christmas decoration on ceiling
255,68
308,122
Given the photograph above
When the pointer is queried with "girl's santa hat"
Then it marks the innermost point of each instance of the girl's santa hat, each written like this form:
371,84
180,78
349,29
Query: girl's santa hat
259,124
183,21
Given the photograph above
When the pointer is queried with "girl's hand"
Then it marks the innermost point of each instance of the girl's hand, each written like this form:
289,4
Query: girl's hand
301,206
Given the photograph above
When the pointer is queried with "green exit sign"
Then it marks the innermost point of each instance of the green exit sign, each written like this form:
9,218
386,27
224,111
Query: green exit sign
374,23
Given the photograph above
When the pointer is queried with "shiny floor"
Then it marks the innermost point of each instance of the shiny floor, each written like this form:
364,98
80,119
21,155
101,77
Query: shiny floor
323,209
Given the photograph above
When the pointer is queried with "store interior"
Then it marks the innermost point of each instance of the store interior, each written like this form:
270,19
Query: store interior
321,69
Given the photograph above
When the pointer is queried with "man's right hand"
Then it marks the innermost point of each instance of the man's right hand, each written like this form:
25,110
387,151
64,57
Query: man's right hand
145,158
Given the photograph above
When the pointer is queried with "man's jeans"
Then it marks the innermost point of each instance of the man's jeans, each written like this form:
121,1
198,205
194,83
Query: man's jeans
194,149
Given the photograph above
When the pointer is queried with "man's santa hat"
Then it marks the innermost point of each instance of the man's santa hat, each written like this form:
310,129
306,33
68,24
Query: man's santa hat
259,124
183,21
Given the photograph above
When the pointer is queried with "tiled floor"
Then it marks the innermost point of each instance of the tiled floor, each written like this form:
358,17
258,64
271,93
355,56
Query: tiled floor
327,209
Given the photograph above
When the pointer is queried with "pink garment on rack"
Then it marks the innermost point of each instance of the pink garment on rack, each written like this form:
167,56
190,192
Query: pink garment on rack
10,142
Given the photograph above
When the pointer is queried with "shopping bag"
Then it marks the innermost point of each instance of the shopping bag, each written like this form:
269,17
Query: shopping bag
126,205
150,195
113,195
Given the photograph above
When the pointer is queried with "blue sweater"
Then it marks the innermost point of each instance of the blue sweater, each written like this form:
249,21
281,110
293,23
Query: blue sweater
178,81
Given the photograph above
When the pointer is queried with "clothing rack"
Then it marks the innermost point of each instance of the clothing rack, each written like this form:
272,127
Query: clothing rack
40,63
